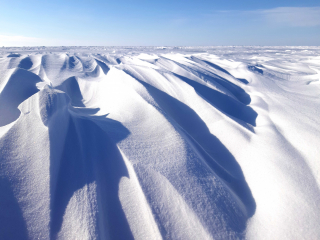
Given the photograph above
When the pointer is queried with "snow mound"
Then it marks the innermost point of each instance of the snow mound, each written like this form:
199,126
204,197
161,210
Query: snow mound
159,143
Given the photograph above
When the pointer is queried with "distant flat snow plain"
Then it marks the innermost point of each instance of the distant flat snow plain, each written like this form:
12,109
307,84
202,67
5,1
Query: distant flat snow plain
160,143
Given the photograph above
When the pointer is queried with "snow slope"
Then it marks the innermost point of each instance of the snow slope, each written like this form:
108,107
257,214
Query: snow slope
160,143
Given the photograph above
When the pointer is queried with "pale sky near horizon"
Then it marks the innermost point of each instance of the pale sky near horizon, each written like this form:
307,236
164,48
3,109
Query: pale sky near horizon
158,23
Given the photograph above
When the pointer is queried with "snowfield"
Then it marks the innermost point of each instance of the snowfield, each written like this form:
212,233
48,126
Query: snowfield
160,143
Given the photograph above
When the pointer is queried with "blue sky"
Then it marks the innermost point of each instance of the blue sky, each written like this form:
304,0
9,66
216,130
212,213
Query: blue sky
142,22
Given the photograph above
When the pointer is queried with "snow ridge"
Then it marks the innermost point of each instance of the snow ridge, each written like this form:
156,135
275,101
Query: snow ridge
156,144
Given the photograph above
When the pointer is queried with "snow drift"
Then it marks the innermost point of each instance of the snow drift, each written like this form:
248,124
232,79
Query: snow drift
149,143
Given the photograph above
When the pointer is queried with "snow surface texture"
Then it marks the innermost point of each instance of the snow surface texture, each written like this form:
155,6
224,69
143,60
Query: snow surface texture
160,143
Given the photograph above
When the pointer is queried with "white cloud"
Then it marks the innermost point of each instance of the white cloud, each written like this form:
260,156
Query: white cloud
293,16
280,16
19,41
9,40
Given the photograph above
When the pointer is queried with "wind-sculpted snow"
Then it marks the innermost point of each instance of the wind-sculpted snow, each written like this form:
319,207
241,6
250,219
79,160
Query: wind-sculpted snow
159,143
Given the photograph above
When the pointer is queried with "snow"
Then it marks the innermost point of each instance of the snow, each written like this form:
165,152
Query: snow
160,143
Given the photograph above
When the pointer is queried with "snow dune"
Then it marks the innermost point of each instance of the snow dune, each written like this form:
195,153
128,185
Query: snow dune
159,143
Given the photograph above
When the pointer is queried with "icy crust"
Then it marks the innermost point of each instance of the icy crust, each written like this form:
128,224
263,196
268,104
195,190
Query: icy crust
159,143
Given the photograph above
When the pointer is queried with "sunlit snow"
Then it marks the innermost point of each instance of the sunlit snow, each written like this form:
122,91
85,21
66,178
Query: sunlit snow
160,143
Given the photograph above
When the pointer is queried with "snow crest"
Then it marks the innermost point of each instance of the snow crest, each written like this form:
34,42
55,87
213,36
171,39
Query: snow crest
159,143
